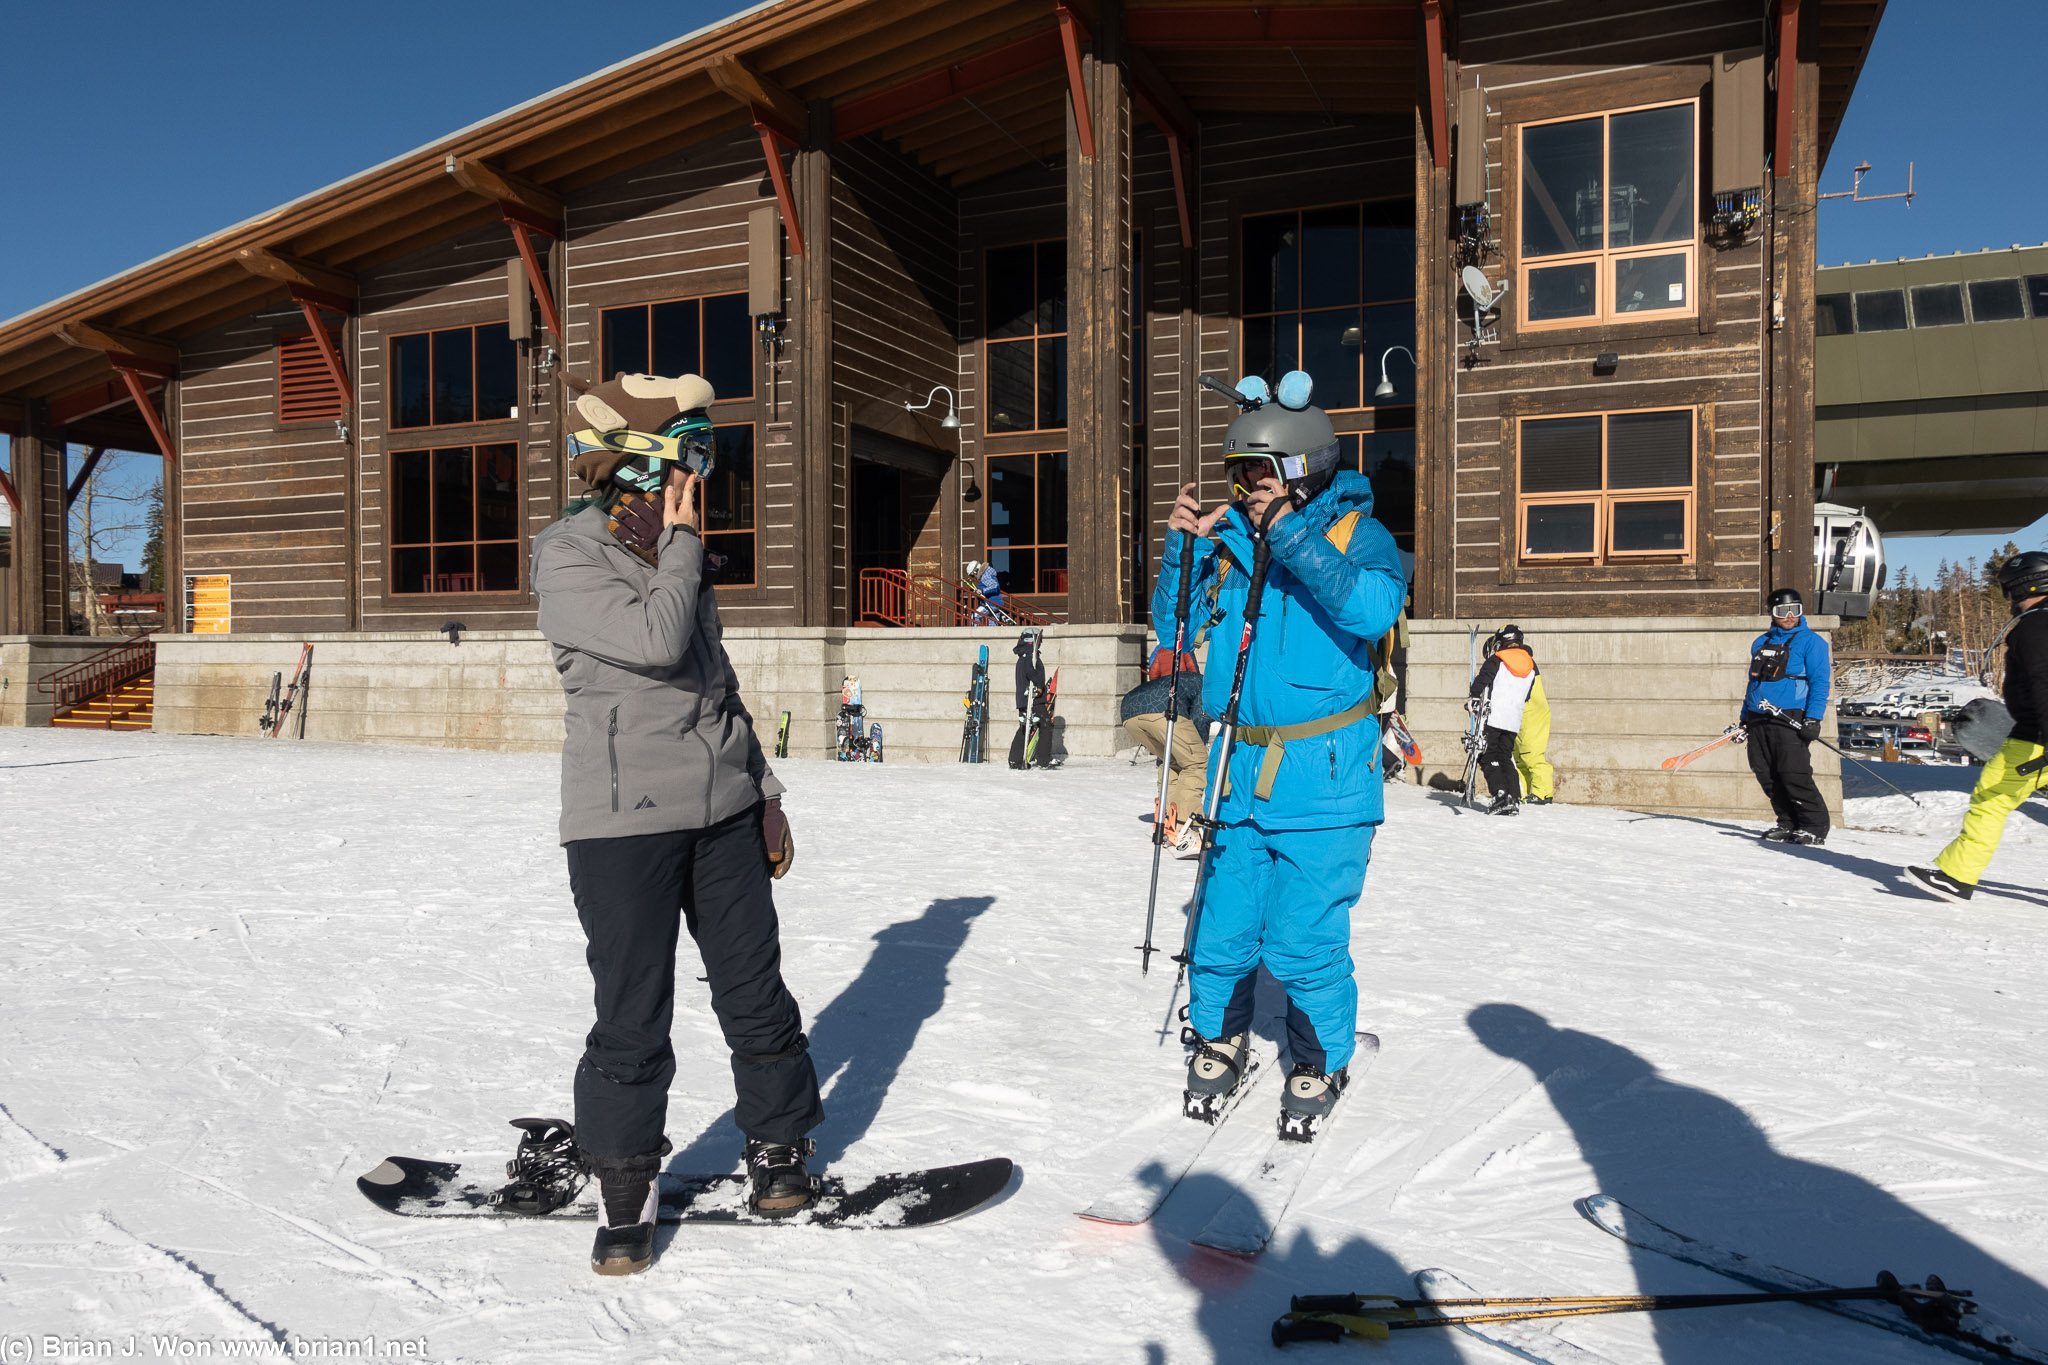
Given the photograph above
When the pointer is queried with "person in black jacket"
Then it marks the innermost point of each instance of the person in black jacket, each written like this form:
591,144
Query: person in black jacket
2018,769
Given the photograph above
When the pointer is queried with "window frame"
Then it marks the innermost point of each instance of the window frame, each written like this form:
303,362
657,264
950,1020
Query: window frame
392,595
753,368
1606,258
1605,500
753,531
1031,339
390,342
1037,546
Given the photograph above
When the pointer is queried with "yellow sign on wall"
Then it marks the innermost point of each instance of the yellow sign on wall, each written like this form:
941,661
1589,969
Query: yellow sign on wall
206,604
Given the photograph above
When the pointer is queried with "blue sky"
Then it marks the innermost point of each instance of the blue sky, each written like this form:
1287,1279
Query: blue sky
187,126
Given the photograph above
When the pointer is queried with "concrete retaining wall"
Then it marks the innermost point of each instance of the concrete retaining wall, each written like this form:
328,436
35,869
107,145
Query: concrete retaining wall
26,660
1625,694
498,689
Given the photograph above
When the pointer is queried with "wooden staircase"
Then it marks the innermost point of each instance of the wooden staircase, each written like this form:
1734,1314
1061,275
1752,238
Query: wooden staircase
128,707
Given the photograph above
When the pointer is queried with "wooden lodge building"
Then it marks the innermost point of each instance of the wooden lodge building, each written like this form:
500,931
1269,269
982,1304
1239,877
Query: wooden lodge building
1048,221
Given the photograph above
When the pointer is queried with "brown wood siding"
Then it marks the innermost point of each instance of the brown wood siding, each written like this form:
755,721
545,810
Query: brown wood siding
1550,60
459,283
1169,376
675,228
262,502
895,314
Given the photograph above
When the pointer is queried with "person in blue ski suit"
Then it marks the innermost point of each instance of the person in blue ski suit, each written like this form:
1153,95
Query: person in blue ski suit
1297,819
1790,668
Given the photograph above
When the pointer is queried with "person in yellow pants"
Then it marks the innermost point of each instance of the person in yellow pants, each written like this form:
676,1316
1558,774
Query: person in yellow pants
2018,769
1539,779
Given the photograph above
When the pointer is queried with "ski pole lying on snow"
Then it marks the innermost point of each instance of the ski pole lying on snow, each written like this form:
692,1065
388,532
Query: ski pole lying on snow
1777,714
1375,1317
1734,734
1180,639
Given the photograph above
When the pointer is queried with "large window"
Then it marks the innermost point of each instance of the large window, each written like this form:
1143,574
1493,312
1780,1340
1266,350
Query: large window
455,519
712,337
1608,227
1328,290
1387,457
454,376
1026,338
729,505
1606,487
1027,521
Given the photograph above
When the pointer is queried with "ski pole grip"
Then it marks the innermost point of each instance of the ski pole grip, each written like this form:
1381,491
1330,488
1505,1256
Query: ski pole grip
1286,1330
1326,1303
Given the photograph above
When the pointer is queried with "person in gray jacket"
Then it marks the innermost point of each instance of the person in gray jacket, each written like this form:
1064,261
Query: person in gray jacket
671,816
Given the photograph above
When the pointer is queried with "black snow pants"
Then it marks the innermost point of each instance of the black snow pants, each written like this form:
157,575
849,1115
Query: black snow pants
1778,757
1497,761
631,895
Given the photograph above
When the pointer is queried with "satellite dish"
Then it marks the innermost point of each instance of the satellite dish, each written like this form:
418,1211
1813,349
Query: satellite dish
1484,296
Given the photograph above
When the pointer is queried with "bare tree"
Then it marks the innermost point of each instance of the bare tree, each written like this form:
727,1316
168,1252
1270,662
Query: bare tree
112,508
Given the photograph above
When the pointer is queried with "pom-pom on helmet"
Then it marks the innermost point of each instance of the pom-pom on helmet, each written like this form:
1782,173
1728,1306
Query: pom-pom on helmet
640,425
1281,436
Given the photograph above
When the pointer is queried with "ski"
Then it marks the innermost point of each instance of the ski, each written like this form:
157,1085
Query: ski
782,736
976,702
1978,1336
302,678
1247,1222
1137,1194
1734,734
414,1188
1533,1341
1474,740
1404,739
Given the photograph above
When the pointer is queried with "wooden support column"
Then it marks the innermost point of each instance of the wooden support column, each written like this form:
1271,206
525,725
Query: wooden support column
1436,349
811,404
1099,333
1788,318
42,539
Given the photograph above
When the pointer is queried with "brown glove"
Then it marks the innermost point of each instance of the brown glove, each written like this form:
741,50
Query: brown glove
775,834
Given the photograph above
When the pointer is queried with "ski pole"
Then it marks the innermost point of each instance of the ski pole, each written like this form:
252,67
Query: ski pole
1180,636
1777,714
1262,559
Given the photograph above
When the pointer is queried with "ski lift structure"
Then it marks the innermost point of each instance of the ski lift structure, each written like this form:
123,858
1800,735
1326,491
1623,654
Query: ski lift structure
1848,561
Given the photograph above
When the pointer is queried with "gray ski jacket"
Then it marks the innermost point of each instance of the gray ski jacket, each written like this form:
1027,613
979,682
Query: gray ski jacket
657,736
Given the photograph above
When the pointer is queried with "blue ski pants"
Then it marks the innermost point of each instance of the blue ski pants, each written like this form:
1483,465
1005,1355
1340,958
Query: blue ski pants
1284,898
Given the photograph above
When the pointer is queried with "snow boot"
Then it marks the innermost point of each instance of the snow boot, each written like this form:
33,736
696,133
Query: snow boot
1807,838
1311,1095
1215,1070
1536,800
1189,844
1504,805
1937,883
629,1202
1777,834
779,1183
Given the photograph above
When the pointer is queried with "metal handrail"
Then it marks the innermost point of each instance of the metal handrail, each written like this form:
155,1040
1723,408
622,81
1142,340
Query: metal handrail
103,672
896,597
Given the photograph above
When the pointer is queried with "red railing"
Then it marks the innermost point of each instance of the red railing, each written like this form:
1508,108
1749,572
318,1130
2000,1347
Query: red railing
103,672
893,597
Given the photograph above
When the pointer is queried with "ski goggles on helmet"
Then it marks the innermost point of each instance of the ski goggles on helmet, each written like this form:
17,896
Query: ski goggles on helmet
1247,472
1787,611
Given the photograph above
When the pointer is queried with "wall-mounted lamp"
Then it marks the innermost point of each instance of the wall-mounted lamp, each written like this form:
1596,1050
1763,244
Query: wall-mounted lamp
951,421
1386,388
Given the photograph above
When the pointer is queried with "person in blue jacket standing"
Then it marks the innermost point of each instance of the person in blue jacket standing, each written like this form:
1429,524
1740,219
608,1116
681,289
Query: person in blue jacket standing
1302,797
1789,668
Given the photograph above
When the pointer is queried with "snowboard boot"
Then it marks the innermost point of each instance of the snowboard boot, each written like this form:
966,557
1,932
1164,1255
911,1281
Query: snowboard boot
1311,1095
629,1202
1937,883
1215,1070
778,1183
1777,834
1807,838
1504,805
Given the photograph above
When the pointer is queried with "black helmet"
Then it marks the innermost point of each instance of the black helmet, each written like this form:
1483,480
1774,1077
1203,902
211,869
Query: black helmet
2024,575
1507,637
1783,598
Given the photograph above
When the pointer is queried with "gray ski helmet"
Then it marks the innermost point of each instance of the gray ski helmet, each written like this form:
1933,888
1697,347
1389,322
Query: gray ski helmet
1299,444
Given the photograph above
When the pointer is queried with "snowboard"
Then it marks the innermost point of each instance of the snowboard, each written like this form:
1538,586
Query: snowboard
874,754
1404,739
413,1188
782,737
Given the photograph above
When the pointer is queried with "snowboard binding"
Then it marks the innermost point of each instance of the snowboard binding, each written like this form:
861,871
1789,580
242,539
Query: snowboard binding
547,1171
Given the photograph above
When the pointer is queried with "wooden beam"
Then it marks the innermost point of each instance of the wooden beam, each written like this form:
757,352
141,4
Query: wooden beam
1157,99
537,278
537,206
269,264
1071,34
1788,82
13,413
92,462
164,445
136,351
1433,58
769,102
336,371
88,402
13,498
1240,26
772,149
920,94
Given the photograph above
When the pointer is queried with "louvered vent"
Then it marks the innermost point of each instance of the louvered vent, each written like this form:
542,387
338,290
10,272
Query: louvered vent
306,391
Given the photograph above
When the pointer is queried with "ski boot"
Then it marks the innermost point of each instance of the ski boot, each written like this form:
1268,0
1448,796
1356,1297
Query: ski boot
628,1205
547,1171
1215,1071
1311,1095
1777,834
1189,844
1504,805
1935,882
1807,839
1537,800
779,1184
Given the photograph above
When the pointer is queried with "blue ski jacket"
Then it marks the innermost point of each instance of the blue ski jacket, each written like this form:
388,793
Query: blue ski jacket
1312,652
1807,668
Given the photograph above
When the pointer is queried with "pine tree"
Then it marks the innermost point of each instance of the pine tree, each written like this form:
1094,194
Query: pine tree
153,548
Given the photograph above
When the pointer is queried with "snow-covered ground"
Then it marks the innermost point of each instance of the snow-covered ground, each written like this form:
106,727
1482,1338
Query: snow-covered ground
236,974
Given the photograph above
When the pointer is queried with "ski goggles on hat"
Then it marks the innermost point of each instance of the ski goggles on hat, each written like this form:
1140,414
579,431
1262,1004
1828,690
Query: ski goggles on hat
648,456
